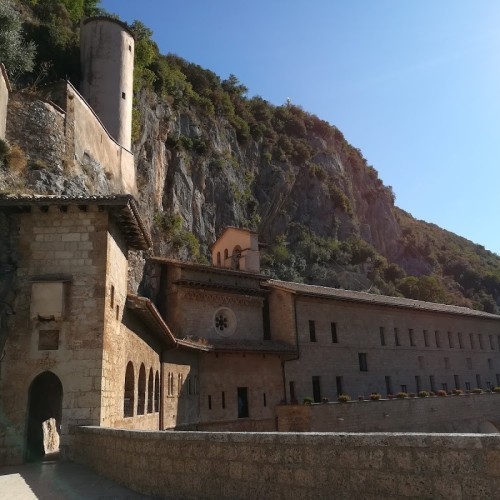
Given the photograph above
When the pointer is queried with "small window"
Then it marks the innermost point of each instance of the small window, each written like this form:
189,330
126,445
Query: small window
218,259
112,297
460,340
447,363
312,330
481,341
404,388
490,363
226,255
492,346
209,402
418,384
129,391
456,378
292,391
444,386
411,337
117,314
450,340
123,95
432,381
243,402
438,338
388,384
469,363
472,343
264,400
467,386
382,335
130,48
150,391
426,338
339,385
141,391
396,337
223,399
478,381
333,327
363,364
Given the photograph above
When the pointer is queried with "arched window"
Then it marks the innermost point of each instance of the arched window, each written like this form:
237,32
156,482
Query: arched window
218,259
141,391
129,391
226,256
150,391
157,392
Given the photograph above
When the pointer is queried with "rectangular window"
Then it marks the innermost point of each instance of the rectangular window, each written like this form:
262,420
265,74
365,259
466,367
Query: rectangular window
418,384
112,297
447,363
426,338
333,327
432,381
450,340
363,364
209,402
438,338
404,388
243,402
388,384
472,343
498,379
312,331
492,346
266,320
316,386
467,386
421,362
478,380
410,335
490,363
123,95
444,386
340,388
481,341
457,381
293,399
469,363
223,399
382,335
264,400
460,340
396,337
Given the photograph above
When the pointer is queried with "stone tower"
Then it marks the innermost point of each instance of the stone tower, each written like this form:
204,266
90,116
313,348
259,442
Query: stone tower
107,59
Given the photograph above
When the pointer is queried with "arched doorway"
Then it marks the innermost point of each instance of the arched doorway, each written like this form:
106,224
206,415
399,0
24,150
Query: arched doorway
44,416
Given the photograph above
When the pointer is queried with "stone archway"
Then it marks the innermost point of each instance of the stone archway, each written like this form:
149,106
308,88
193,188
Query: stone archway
44,416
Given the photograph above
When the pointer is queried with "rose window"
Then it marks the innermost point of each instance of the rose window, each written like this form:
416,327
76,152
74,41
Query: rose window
221,322
224,322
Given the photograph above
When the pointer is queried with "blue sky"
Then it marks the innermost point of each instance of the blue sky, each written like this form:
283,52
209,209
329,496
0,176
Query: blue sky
414,84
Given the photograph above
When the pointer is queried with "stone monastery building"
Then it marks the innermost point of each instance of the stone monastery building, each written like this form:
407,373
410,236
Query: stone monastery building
210,347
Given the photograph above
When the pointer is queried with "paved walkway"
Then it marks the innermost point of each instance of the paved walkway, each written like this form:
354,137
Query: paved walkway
58,481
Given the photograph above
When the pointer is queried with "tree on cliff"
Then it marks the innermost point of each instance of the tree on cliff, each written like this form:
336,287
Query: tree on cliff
15,53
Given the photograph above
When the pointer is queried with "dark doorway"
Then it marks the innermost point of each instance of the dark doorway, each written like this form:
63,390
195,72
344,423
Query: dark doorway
243,402
44,416
316,389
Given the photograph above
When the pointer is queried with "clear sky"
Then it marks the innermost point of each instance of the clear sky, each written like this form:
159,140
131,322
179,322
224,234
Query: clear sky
414,84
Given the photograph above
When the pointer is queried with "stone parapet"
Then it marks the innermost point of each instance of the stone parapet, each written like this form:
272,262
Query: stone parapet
278,465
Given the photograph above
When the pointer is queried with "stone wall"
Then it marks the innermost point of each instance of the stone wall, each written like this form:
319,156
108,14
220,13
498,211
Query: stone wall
4,99
66,248
466,413
405,363
273,465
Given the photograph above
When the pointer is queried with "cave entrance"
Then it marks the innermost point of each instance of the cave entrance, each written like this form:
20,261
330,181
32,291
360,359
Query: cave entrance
44,417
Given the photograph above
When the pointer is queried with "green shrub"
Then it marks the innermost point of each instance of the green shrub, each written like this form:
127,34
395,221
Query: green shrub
308,400
343,398
477,390
375,396
496,389
423,394
401,395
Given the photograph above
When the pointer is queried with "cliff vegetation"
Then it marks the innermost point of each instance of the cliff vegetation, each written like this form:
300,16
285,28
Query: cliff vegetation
208,155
